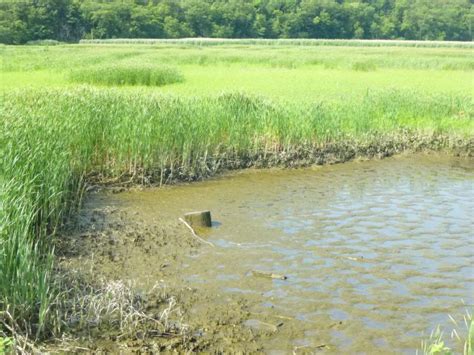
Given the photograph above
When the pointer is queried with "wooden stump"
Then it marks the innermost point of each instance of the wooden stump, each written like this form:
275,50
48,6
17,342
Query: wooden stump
199,219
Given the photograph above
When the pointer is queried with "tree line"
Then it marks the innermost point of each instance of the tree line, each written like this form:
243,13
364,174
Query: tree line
72,20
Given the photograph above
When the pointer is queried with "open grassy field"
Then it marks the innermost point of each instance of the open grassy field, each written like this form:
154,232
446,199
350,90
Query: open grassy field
303,73
212,107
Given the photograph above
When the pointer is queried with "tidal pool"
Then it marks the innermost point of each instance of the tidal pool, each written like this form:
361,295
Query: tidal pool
377,253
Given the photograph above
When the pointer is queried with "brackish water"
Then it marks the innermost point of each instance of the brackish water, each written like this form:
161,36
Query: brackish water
377,253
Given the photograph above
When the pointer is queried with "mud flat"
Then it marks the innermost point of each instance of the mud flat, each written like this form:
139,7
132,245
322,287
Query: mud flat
375,253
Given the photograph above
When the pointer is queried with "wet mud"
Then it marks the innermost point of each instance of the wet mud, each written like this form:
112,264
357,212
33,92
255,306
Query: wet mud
375,255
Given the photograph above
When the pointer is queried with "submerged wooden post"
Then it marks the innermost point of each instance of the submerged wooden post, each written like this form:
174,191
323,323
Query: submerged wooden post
199,219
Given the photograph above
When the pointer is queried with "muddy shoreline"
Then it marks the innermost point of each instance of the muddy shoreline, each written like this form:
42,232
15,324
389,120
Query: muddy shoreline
98,244
102,246
299,157
106,245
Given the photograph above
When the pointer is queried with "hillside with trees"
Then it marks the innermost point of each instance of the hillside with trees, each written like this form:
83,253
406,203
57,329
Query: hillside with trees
72,20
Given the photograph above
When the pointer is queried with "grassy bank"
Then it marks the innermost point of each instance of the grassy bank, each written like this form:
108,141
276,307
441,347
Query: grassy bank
53,141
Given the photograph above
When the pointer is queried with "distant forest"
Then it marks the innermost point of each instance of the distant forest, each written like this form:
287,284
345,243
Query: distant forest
72,20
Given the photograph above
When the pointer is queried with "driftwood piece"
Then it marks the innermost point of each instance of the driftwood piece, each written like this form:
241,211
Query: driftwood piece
194,233
269,275
199,219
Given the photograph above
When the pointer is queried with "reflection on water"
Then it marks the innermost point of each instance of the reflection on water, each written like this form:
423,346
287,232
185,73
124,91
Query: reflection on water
375,252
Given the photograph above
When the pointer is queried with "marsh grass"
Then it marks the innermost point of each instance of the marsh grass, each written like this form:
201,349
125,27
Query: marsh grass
99,311
44,42
5,345
64,58
364,66
53,141
115,75
114,308
282,41
462,333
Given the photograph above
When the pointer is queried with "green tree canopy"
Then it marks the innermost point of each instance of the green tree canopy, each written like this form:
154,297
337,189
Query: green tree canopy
71,20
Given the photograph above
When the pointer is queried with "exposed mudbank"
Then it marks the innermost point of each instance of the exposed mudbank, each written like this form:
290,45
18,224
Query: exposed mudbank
298,157
106,245
136,238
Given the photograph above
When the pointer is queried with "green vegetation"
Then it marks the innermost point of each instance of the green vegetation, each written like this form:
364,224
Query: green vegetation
71,20
275,42
5,345
436,344
241,105
127,75
282,72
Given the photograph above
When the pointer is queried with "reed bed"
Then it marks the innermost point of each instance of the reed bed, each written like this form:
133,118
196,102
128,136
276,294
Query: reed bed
60,58
116,75
283,41
53,141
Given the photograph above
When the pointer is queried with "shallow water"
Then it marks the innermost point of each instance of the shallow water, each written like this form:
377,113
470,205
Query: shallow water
376,253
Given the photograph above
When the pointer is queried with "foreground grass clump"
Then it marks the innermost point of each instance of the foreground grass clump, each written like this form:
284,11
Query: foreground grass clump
53,141
127,75
436,345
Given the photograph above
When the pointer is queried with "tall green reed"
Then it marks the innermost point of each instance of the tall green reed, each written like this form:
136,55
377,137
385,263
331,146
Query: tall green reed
108,74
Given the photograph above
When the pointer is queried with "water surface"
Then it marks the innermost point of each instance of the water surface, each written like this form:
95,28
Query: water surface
376,253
